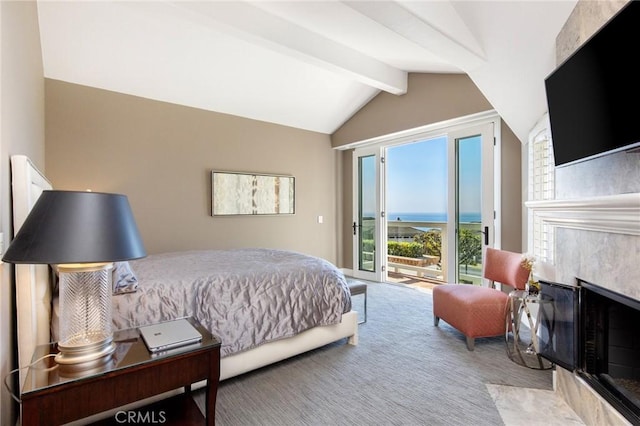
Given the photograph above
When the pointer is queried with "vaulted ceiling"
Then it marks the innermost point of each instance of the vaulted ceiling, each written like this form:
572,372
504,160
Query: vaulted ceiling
305,64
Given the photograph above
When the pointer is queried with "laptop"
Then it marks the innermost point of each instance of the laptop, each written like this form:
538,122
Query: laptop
169,335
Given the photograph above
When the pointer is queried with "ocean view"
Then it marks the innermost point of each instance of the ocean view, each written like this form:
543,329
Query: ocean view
431,217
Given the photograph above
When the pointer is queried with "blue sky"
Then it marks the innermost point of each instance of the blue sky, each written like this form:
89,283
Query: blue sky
417,176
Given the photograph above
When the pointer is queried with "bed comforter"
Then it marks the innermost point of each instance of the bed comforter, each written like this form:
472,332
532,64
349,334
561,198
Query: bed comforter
246,296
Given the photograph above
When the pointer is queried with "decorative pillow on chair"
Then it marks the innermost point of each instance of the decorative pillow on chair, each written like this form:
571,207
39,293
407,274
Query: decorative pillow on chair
124,280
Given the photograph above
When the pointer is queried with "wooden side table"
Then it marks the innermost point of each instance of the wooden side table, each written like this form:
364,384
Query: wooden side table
132,373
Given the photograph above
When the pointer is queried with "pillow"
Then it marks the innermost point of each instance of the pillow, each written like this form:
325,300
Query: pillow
124,280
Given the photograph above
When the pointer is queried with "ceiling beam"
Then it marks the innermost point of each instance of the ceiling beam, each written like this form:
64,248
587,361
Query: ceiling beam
454,43
259,27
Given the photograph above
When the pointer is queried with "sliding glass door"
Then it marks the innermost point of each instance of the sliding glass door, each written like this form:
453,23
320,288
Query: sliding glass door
439,192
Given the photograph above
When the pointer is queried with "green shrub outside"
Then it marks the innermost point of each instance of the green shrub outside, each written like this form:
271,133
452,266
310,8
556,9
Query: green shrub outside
430,243
398,248
405,249
367,246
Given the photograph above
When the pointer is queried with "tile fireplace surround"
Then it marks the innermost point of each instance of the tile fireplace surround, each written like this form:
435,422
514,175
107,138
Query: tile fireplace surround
597,219
598,240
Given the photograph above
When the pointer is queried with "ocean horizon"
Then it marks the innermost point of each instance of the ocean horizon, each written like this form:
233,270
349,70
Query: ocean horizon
432,217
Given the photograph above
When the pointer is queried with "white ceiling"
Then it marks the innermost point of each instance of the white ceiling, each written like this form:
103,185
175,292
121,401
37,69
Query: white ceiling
305,64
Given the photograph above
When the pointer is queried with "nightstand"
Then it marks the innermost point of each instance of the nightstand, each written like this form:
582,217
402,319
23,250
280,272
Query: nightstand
132,373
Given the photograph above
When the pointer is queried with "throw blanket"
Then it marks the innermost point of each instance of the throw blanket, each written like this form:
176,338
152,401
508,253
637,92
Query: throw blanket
246,297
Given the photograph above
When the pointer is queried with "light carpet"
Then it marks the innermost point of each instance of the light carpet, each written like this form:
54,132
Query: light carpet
405,371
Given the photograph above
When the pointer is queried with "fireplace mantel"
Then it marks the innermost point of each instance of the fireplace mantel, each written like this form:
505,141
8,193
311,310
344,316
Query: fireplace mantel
618,214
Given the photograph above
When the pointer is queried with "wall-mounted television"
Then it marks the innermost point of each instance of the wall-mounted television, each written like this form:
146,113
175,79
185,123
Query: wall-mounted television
594,96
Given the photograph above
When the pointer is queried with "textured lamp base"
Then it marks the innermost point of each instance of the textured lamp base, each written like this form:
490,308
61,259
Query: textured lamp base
85,314
88,355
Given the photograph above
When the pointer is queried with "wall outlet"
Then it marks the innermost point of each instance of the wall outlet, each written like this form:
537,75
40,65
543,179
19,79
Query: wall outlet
320,219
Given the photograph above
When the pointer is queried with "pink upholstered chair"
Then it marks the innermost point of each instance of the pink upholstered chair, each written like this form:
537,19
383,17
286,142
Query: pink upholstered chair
481,311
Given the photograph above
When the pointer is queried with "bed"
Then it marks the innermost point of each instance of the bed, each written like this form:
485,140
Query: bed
173,285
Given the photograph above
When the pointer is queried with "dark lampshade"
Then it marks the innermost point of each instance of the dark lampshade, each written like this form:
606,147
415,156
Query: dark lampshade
77,227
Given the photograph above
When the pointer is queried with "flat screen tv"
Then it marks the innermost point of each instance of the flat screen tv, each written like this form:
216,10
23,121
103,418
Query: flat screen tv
594,96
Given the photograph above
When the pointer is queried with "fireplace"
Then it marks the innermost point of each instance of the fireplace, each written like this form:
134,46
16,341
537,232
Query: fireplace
595,332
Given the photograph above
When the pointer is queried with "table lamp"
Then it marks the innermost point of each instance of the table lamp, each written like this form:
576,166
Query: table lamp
80,234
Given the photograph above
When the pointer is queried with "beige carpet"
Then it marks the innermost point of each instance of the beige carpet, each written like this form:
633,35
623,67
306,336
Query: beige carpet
405,371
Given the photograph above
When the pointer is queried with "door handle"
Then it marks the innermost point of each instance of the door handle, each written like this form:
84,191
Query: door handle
486,235
355,227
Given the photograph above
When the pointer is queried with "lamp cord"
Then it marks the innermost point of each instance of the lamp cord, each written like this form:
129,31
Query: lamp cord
32,365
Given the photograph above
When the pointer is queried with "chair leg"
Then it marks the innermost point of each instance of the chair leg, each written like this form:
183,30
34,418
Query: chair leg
365,307
471,343
356,289
436,320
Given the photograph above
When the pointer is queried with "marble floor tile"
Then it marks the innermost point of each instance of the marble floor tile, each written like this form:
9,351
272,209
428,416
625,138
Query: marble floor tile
525,406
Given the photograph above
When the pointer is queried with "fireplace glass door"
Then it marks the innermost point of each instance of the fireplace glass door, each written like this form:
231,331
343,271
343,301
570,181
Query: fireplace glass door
595,332
558,334
611,346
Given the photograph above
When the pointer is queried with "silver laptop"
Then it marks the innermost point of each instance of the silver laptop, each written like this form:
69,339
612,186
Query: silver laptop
169,335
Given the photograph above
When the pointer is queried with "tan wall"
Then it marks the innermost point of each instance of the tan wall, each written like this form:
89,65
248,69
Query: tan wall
511,190
160,155
22,132
431,98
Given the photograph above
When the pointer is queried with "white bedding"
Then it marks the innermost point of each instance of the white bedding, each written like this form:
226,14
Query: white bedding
246,296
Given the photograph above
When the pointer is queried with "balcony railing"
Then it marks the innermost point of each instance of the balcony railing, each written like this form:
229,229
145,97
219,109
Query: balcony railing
404,231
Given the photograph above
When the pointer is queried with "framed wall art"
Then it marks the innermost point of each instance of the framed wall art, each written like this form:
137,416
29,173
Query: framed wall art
237,193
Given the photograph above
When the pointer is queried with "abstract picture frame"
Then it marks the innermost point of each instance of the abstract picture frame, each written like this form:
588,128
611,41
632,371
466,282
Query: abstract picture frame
251,194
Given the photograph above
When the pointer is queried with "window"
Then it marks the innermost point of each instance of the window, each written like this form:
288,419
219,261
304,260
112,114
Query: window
541,176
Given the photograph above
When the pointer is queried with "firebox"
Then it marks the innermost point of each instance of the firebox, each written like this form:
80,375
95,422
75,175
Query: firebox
595,332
